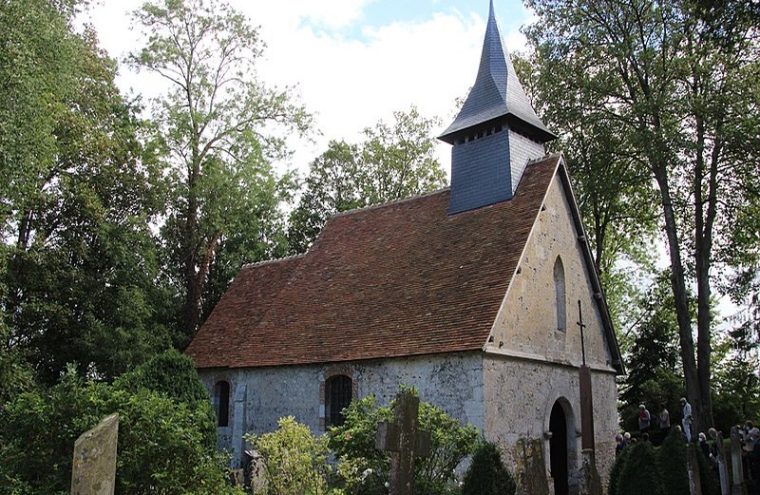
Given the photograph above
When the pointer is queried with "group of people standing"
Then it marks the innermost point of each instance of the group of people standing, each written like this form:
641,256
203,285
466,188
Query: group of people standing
750,438
663,419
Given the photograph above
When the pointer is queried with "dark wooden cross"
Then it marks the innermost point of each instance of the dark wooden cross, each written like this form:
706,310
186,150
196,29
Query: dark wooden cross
405,441
583,327
586,393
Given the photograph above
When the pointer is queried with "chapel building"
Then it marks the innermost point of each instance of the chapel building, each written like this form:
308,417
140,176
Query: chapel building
471,294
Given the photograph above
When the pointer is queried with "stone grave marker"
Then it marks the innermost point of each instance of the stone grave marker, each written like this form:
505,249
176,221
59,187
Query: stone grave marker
94,469
692,465
404,441
725,483
737,469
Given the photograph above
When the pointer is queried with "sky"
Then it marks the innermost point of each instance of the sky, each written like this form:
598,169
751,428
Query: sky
351,62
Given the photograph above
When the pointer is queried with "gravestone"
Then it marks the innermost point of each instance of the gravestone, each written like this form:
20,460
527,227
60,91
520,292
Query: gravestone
725,482
530,469
94,468
404,441
692,465
591,482
737,469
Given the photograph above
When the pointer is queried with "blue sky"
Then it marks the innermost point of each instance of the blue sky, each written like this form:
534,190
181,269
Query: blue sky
376,14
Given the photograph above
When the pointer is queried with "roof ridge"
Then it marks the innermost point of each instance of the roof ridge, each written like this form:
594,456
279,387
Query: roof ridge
389,203
257,264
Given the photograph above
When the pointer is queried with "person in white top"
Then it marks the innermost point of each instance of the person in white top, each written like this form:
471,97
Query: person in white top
686,418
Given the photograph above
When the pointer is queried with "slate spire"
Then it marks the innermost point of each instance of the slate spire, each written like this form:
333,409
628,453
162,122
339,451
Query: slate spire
496,94
496,132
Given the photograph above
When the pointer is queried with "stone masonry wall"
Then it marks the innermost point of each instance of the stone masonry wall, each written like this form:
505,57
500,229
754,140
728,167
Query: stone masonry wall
531,363
453,382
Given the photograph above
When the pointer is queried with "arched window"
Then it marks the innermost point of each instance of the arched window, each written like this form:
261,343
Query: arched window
222,403
337,397
559,293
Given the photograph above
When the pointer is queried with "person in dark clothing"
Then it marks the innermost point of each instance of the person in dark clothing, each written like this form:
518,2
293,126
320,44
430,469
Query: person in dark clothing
753,458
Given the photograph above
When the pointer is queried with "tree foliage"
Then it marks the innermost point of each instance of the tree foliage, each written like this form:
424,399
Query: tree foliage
364,469
676,79
487,474
79,263
640,473
215,121
295,461
394,161
163,445
653,358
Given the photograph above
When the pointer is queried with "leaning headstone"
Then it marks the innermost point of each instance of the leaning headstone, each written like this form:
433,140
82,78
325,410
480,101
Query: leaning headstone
737,469
94,468
531,469
725,483
692,465
591,482
404,441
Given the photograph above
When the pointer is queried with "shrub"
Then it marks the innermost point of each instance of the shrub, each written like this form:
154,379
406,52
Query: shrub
707,477
487,474
672,462
364,470
169,373
616,470
295,461
640,474
162,444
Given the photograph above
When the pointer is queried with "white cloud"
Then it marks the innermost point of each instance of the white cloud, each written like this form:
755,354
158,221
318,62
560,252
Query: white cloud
348,83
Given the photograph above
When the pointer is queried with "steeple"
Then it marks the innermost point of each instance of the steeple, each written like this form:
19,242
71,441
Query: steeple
496,132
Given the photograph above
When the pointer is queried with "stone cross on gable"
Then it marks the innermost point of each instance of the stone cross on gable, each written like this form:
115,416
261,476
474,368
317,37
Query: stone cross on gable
404,441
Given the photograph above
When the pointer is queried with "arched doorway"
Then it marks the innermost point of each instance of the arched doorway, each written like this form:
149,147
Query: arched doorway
558,450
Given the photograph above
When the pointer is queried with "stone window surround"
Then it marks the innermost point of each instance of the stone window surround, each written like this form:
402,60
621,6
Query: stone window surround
329,372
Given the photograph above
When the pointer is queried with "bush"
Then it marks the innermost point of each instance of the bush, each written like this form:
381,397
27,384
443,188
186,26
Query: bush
487,474
672,462
616,470
169,373
162,443
295,461
364,470
707,477
640,474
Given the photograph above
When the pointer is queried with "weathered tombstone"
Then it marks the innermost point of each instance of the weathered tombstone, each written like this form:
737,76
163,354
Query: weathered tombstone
531,469
94,469
725,483
404,441
737,469
591,482
692,465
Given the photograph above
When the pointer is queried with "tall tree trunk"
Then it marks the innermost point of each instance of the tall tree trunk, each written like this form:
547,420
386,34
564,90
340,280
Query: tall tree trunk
680,294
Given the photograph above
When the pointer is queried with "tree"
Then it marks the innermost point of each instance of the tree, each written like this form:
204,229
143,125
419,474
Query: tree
487,474
677,80
215,120
364,469
640,473
393,162
79,260
295,461
163,444
653,358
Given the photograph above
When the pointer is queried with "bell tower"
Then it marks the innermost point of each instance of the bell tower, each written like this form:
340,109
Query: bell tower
495,134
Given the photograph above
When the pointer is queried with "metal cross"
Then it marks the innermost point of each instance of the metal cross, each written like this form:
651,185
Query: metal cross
580,324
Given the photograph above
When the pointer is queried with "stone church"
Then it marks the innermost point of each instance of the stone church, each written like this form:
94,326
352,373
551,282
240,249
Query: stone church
472,294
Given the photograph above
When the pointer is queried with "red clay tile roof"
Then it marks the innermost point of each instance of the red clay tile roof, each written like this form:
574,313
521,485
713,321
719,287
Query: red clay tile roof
395,280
